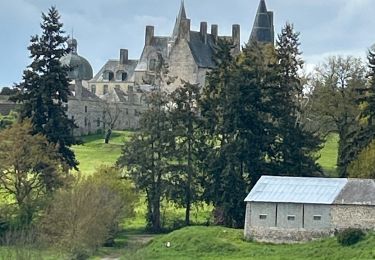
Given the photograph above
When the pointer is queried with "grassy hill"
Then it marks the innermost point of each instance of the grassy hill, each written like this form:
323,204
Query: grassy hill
223,243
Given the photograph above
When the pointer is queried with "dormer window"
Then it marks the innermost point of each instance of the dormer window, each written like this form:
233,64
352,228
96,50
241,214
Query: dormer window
108,75
121,75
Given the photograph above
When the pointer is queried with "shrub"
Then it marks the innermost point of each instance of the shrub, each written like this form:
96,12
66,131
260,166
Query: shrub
81,219
350,236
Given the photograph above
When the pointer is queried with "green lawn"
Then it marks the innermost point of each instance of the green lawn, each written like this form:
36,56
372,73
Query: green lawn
94,152
223,243
328,155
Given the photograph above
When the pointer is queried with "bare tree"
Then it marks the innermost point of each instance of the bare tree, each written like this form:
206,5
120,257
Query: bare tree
111,114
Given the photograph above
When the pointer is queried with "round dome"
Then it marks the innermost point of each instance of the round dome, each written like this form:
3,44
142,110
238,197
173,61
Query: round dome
80,68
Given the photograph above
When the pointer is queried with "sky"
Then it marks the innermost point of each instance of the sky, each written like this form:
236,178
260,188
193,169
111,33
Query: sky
102,27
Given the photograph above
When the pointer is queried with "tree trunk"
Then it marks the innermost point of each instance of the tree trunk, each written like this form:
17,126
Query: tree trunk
107,136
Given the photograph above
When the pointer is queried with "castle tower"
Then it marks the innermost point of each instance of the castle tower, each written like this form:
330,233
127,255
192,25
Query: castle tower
179,21
263,29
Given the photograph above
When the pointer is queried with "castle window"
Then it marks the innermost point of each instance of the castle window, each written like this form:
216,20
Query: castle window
85,109
108,75
105,89
317,218
111,76
124,76
291,218
152,65
85,121
135,112
93,89
263,216
121,75
98,122
127,111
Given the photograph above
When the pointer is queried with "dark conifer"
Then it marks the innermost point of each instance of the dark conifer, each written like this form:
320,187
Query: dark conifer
45,87
295,148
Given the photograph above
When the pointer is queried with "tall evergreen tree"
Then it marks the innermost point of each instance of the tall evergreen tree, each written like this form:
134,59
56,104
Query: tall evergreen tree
235,114
45,88
295,147
147,156
189,146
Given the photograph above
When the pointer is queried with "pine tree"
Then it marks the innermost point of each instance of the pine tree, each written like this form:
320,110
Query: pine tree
189,147
45,88
295,147
235,113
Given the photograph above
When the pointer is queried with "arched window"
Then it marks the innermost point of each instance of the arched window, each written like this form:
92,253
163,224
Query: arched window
121,75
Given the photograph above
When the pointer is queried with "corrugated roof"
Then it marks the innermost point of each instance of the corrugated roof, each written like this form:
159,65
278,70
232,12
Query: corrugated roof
296,190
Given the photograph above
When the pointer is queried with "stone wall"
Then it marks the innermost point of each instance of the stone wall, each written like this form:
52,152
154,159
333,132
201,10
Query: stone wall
182,64
278,235
345,216
85,114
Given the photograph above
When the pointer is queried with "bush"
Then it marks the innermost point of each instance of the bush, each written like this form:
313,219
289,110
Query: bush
350,236
81,219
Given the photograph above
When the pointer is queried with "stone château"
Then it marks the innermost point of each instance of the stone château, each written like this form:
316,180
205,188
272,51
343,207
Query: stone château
120,86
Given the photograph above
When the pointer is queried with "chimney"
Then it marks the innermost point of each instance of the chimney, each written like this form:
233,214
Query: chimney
203,32
236,37
124,56
185,29
149,34
214,30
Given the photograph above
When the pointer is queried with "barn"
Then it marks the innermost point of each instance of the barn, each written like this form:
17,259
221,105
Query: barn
292,209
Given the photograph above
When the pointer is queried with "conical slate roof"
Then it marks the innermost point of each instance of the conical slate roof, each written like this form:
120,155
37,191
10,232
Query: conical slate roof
181,16
263,29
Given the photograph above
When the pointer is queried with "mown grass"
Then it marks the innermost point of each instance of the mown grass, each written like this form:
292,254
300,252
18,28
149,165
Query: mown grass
328,155
94,152
224,243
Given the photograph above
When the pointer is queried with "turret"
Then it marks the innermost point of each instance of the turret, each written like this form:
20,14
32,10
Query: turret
263,29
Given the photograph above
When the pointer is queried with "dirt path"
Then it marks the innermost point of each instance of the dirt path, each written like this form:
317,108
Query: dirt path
134,242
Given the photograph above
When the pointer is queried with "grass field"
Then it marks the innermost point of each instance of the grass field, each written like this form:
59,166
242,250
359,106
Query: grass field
328,155
197,242
223,243
94,152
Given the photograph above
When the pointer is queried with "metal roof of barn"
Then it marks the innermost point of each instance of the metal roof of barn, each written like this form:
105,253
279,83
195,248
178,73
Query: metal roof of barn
296,190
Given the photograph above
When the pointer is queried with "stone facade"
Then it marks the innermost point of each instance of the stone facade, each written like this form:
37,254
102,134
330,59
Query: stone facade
124,82
358,216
